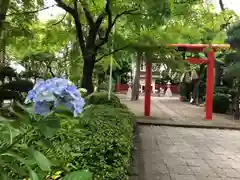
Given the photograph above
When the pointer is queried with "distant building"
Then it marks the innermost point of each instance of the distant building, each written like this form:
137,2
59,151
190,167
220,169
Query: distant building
157,68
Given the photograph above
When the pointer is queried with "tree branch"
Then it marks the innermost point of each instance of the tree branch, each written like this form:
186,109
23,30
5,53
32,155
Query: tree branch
116,50
64,6
221,5
30,12
78,27
87,13
58,22
227,21
112,22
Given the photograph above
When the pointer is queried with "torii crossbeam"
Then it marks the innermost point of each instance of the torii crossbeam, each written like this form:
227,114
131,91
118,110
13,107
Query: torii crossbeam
210,72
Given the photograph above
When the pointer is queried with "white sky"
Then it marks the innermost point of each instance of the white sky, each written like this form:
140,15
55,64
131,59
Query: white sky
54,11
51,12
230,4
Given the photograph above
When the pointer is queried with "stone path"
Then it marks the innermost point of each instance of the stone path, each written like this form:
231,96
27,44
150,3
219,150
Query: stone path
173,153
171,111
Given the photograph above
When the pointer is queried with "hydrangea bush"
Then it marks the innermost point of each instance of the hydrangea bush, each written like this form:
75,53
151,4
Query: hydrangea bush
53,94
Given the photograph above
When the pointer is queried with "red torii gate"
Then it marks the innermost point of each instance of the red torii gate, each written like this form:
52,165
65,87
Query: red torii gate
210,73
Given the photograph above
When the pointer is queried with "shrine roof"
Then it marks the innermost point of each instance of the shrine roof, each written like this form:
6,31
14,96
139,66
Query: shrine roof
199,47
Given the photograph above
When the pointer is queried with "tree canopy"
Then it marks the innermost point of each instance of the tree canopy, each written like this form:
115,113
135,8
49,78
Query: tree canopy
91,33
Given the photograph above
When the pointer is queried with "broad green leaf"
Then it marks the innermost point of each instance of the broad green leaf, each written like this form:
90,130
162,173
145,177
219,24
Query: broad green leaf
46,131
53,123
32,174
16,156
41,160
79,175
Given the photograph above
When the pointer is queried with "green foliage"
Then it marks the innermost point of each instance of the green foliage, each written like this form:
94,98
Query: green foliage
107,142
100,141
24,143
221,89
18,158
101,98
79,175
220,103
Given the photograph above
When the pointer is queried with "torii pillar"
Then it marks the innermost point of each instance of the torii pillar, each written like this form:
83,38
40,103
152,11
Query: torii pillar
210,85
148,89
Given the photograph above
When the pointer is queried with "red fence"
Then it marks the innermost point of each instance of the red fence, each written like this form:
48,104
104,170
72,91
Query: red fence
124,88
121,87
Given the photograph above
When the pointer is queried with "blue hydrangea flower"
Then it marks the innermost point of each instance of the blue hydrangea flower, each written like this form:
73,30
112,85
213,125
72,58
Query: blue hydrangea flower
54,93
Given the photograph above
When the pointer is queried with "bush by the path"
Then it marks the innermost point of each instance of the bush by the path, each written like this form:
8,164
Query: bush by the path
100,98
101,142
107,150
220,103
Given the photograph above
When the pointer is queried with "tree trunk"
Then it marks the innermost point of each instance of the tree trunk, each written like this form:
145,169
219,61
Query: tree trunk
135,87
88,66
3,11
2,46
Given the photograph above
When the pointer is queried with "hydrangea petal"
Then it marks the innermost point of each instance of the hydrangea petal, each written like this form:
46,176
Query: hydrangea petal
42,108
57,91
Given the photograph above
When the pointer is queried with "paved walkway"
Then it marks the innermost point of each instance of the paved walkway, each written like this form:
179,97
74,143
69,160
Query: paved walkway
173,153
171,111
178,153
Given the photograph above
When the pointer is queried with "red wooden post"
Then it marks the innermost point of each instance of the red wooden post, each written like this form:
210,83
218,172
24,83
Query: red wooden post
147,89
210,85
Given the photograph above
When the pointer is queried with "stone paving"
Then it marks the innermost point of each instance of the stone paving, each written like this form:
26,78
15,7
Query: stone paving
174,153
171,111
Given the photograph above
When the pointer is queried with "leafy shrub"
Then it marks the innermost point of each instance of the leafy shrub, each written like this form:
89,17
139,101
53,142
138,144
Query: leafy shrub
107,150
101,98
221,89
98,143
101,142
220,103
21,140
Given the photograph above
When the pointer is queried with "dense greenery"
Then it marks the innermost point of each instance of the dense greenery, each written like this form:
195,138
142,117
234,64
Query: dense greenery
100,141
80,45
220,103
99,98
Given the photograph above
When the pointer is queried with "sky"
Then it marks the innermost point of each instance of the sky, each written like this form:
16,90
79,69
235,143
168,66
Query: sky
230,4
51,12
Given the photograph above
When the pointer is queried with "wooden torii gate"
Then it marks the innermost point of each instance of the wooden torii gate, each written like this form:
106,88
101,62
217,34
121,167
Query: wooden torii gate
210,73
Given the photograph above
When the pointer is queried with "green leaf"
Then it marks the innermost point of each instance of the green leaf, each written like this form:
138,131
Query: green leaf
54,123
46,131
3,176
79,175
16,156
41,160
32,174
47,143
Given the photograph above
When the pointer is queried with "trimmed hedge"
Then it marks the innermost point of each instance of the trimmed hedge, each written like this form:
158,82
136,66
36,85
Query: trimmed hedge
220,103
101,141
100,98
109,132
